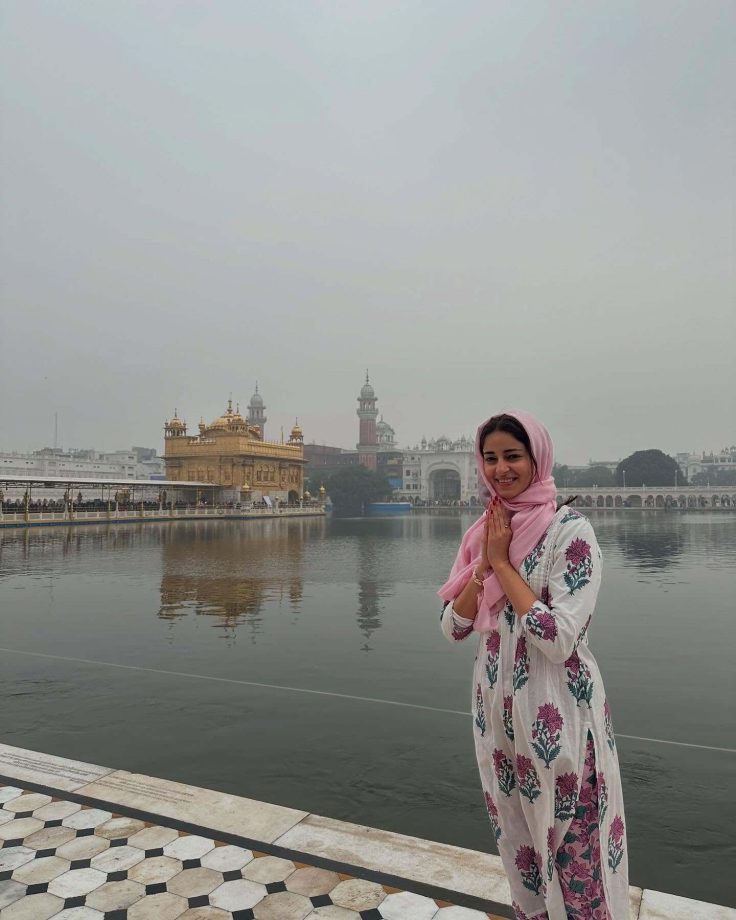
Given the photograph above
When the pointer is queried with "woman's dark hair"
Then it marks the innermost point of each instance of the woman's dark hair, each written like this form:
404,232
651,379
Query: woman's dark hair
511,426
514,427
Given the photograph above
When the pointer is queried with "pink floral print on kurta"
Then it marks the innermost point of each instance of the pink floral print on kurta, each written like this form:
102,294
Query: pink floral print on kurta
578,859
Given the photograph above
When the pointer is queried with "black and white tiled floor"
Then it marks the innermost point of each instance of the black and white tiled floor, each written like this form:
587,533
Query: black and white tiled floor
73,861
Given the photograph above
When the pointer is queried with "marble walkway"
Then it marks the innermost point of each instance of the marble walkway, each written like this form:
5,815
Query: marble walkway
83,842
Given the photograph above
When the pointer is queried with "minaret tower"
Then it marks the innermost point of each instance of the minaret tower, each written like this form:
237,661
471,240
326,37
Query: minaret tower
367,413
256,411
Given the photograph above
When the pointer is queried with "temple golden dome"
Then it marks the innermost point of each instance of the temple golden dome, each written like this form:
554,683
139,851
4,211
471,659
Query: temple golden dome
175,422
230,420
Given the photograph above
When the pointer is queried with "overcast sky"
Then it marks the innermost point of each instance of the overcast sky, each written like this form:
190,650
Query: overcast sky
488,204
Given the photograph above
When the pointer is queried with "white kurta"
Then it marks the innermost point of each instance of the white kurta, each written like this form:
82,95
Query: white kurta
537,694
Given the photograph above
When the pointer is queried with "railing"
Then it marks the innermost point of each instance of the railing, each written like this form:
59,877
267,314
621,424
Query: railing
162,514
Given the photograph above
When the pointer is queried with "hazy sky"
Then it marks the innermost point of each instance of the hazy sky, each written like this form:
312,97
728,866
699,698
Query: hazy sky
489,204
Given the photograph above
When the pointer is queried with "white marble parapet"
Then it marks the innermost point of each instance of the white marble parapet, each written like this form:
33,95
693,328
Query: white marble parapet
218,811
47,770
655,905
413,864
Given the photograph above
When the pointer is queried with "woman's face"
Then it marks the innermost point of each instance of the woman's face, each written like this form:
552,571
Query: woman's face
507,464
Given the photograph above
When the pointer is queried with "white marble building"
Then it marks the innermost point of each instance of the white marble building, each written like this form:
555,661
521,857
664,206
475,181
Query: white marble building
440,470
715,461
134,464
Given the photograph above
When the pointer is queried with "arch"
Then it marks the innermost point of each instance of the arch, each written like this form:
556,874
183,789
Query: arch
609,501
293,496
444,484
600,502
635,501
618,502
659,501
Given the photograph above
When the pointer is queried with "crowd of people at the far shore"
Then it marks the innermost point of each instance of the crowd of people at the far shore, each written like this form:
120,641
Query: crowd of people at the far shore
79,504
445,503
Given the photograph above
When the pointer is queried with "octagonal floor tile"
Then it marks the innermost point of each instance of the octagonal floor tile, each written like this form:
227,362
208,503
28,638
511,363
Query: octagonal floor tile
50,838
83,847
238,894
164,906
76,882
284,905
116,828
10,891
19,828
41,870
153,838
311,881
190,846
56,811
34,907
80,913
115,895
29,801
191,883
86,818
117,859
357,894
266,869
227,858
333,912
403,904
8,793
155,870
205,913
14,857
5,816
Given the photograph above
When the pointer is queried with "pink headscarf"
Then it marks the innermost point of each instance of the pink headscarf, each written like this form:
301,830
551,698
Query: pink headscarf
530,513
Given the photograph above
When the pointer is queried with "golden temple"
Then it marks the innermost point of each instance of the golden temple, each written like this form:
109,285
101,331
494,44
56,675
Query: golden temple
232,454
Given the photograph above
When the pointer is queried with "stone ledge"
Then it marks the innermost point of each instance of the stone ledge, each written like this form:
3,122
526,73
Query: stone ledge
476,875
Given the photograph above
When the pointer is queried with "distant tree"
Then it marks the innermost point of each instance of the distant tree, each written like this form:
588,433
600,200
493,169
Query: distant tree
562,475
715,478
354,486
591,476
599,476
649,468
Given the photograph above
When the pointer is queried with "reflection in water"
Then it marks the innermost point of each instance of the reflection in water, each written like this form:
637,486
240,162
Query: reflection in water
138,590
228,571
373,588
648,544
77,541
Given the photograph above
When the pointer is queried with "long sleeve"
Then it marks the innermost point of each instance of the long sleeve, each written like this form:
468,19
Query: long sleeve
557,623
454,627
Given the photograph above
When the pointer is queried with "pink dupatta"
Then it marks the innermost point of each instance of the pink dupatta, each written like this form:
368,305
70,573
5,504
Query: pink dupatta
530,513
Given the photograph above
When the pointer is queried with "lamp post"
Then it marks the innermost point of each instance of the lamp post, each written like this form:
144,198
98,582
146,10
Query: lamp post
623,473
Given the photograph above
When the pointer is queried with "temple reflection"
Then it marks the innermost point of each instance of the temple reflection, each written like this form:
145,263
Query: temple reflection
375,585
229,572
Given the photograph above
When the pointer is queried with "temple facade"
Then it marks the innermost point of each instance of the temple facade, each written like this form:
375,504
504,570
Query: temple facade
231,453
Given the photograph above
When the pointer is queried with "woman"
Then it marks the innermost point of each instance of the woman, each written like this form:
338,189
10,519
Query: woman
526,580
